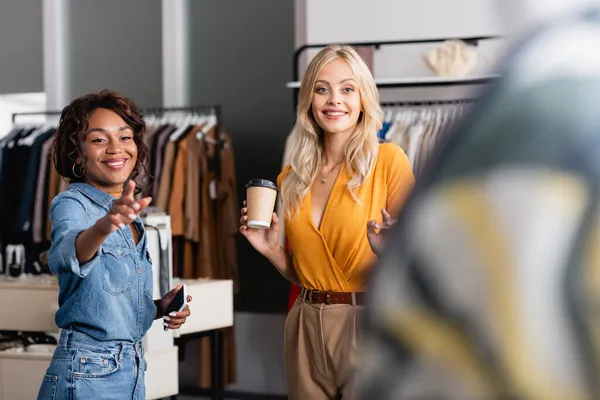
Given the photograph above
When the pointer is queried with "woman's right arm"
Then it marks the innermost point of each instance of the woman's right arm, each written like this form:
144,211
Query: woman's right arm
88,243
123,212
75,244
284,264
69,220
266,242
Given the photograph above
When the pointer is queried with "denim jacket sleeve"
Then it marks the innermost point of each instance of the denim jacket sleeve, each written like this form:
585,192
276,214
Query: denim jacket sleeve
69,218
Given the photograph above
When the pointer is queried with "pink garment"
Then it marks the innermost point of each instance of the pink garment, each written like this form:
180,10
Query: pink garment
367,53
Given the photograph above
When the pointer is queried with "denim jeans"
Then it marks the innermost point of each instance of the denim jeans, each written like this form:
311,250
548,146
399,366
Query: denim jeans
84,368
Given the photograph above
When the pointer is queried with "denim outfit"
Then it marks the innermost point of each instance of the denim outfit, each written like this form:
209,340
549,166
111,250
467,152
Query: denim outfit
105,305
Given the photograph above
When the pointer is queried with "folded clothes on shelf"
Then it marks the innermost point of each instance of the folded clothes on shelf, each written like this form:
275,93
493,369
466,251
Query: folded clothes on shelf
35,342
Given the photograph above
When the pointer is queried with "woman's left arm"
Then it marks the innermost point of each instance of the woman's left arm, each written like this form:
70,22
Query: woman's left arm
399,182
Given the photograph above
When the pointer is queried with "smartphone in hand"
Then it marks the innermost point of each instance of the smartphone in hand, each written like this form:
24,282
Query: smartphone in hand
178,303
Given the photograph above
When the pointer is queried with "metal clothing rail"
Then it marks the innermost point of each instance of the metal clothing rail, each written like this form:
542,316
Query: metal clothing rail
191,109
145,111
17,114
424,103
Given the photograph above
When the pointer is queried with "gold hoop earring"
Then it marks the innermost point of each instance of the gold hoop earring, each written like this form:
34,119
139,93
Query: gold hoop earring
81,173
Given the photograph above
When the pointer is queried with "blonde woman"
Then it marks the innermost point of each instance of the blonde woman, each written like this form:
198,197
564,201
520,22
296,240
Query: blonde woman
340,179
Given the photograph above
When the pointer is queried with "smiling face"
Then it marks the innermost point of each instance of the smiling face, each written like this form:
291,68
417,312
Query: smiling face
110,150
336,102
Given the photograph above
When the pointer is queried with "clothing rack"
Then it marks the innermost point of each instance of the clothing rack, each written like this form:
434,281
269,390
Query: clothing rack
219,339
145,111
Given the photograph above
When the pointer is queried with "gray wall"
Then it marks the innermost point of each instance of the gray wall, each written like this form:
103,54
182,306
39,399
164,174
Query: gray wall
241,59
259,351
21,48
116,44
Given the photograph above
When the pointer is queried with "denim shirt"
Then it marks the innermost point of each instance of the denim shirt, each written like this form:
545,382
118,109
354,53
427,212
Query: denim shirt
110,296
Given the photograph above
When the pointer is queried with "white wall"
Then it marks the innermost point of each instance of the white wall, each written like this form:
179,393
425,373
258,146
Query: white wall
360,20
22,102
240,50
344,21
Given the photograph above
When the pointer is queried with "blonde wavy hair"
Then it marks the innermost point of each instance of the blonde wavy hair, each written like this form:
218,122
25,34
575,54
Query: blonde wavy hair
307,153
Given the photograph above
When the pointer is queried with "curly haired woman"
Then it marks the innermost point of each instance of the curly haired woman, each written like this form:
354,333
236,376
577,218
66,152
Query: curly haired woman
99,254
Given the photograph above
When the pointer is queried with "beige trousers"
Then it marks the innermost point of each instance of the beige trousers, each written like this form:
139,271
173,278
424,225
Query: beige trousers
320,350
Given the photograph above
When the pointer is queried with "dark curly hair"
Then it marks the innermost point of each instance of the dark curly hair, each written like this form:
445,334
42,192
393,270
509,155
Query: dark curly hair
73,125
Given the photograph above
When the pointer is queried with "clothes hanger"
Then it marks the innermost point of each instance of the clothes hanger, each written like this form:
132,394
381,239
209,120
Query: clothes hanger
202,119
38,130
182,126
210,123
194,119
184,120
150,119
403,119
388,117
394,124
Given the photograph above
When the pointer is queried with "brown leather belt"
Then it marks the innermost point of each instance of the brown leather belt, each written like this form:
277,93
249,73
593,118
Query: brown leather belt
321,297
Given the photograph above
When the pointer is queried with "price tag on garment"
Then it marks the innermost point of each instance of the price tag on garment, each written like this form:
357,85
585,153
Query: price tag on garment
212,189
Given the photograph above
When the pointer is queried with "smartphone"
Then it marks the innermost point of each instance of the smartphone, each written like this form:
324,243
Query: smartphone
178,303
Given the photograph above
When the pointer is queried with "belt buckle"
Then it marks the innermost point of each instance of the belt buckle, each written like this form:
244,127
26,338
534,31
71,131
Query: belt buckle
308,296
327,298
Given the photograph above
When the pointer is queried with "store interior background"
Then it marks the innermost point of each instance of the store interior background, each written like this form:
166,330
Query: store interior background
240,57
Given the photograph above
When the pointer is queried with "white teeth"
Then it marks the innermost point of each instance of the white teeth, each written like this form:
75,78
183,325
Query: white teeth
335,113
116,164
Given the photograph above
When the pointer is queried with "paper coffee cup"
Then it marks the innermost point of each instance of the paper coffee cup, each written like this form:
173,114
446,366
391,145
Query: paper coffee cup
260,200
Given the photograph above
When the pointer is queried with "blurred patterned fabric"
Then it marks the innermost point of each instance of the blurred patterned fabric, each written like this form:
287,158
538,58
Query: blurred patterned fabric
490,284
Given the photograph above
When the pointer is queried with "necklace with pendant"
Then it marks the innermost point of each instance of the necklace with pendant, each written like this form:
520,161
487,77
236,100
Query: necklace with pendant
323,177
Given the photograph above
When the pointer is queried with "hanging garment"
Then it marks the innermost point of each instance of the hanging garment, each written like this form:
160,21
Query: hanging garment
15,159
41,190
416,131
24,223
415,135
164,273
207,251
201,206
453,58
162,201
196,154
56,185
211,249
228,211
5,140
145,177
158,152
367,53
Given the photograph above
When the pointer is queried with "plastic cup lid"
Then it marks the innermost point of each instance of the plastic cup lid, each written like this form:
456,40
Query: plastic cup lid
262,183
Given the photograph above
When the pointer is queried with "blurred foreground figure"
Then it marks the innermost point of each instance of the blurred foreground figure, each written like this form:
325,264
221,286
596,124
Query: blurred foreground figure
490,286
